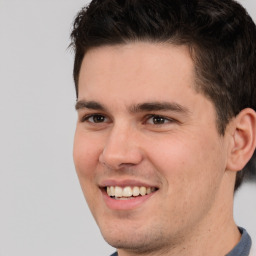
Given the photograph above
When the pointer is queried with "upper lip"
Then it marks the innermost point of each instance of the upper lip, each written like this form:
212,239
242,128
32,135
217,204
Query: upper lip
125,183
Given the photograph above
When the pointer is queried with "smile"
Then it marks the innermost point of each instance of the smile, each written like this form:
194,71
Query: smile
128,192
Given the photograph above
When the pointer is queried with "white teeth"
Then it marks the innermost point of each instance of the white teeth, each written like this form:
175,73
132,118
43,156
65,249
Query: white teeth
143,191
118,192
148,191
135,191
127,192
108,191
112,191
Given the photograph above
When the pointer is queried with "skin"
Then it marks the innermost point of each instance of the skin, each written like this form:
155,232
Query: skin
182,154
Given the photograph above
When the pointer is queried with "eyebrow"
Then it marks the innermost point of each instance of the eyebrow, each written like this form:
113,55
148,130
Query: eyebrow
143,107
159,106
89,105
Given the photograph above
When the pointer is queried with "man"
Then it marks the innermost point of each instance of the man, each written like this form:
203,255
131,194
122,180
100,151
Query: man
166,103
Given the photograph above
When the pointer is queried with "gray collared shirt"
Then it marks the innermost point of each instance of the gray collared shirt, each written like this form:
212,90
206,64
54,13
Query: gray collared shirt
244,246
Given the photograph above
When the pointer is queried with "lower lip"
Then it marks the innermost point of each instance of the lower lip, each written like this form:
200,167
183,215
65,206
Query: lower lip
127,204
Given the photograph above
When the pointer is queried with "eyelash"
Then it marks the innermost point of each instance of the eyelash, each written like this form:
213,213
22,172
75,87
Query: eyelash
87,117
160,118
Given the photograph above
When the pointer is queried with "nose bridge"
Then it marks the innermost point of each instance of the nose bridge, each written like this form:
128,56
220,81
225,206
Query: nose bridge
121,147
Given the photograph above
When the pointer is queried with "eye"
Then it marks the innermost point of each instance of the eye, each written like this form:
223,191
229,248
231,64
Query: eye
158,120
95,118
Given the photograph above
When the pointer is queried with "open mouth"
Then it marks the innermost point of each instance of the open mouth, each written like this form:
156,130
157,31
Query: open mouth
126,193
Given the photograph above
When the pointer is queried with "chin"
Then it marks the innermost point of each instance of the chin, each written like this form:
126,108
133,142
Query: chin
127,242
134,239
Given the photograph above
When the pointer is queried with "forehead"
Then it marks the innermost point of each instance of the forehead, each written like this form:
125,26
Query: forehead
137,70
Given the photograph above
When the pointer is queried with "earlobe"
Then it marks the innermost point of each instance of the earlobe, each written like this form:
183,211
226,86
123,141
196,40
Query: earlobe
243,140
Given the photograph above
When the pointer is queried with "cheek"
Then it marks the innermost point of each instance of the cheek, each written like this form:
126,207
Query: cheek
188,164
191,175
86,153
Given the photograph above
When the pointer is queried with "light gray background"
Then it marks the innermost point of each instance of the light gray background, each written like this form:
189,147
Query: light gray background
42,209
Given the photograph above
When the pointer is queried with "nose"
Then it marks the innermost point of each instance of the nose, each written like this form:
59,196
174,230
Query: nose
121,148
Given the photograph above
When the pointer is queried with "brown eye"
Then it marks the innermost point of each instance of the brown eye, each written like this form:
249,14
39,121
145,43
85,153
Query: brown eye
158,120
96,118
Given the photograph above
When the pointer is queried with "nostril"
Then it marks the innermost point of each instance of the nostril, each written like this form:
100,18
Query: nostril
120,159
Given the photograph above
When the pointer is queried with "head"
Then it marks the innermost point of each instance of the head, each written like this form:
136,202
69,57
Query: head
165,90
219,34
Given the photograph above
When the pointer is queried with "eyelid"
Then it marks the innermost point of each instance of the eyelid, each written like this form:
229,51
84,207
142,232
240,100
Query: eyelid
169,119
85,118
145,120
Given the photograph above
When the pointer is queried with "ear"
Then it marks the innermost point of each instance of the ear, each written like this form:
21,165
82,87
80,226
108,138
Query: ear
243,139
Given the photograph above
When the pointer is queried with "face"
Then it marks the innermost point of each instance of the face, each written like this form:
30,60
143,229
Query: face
147,152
